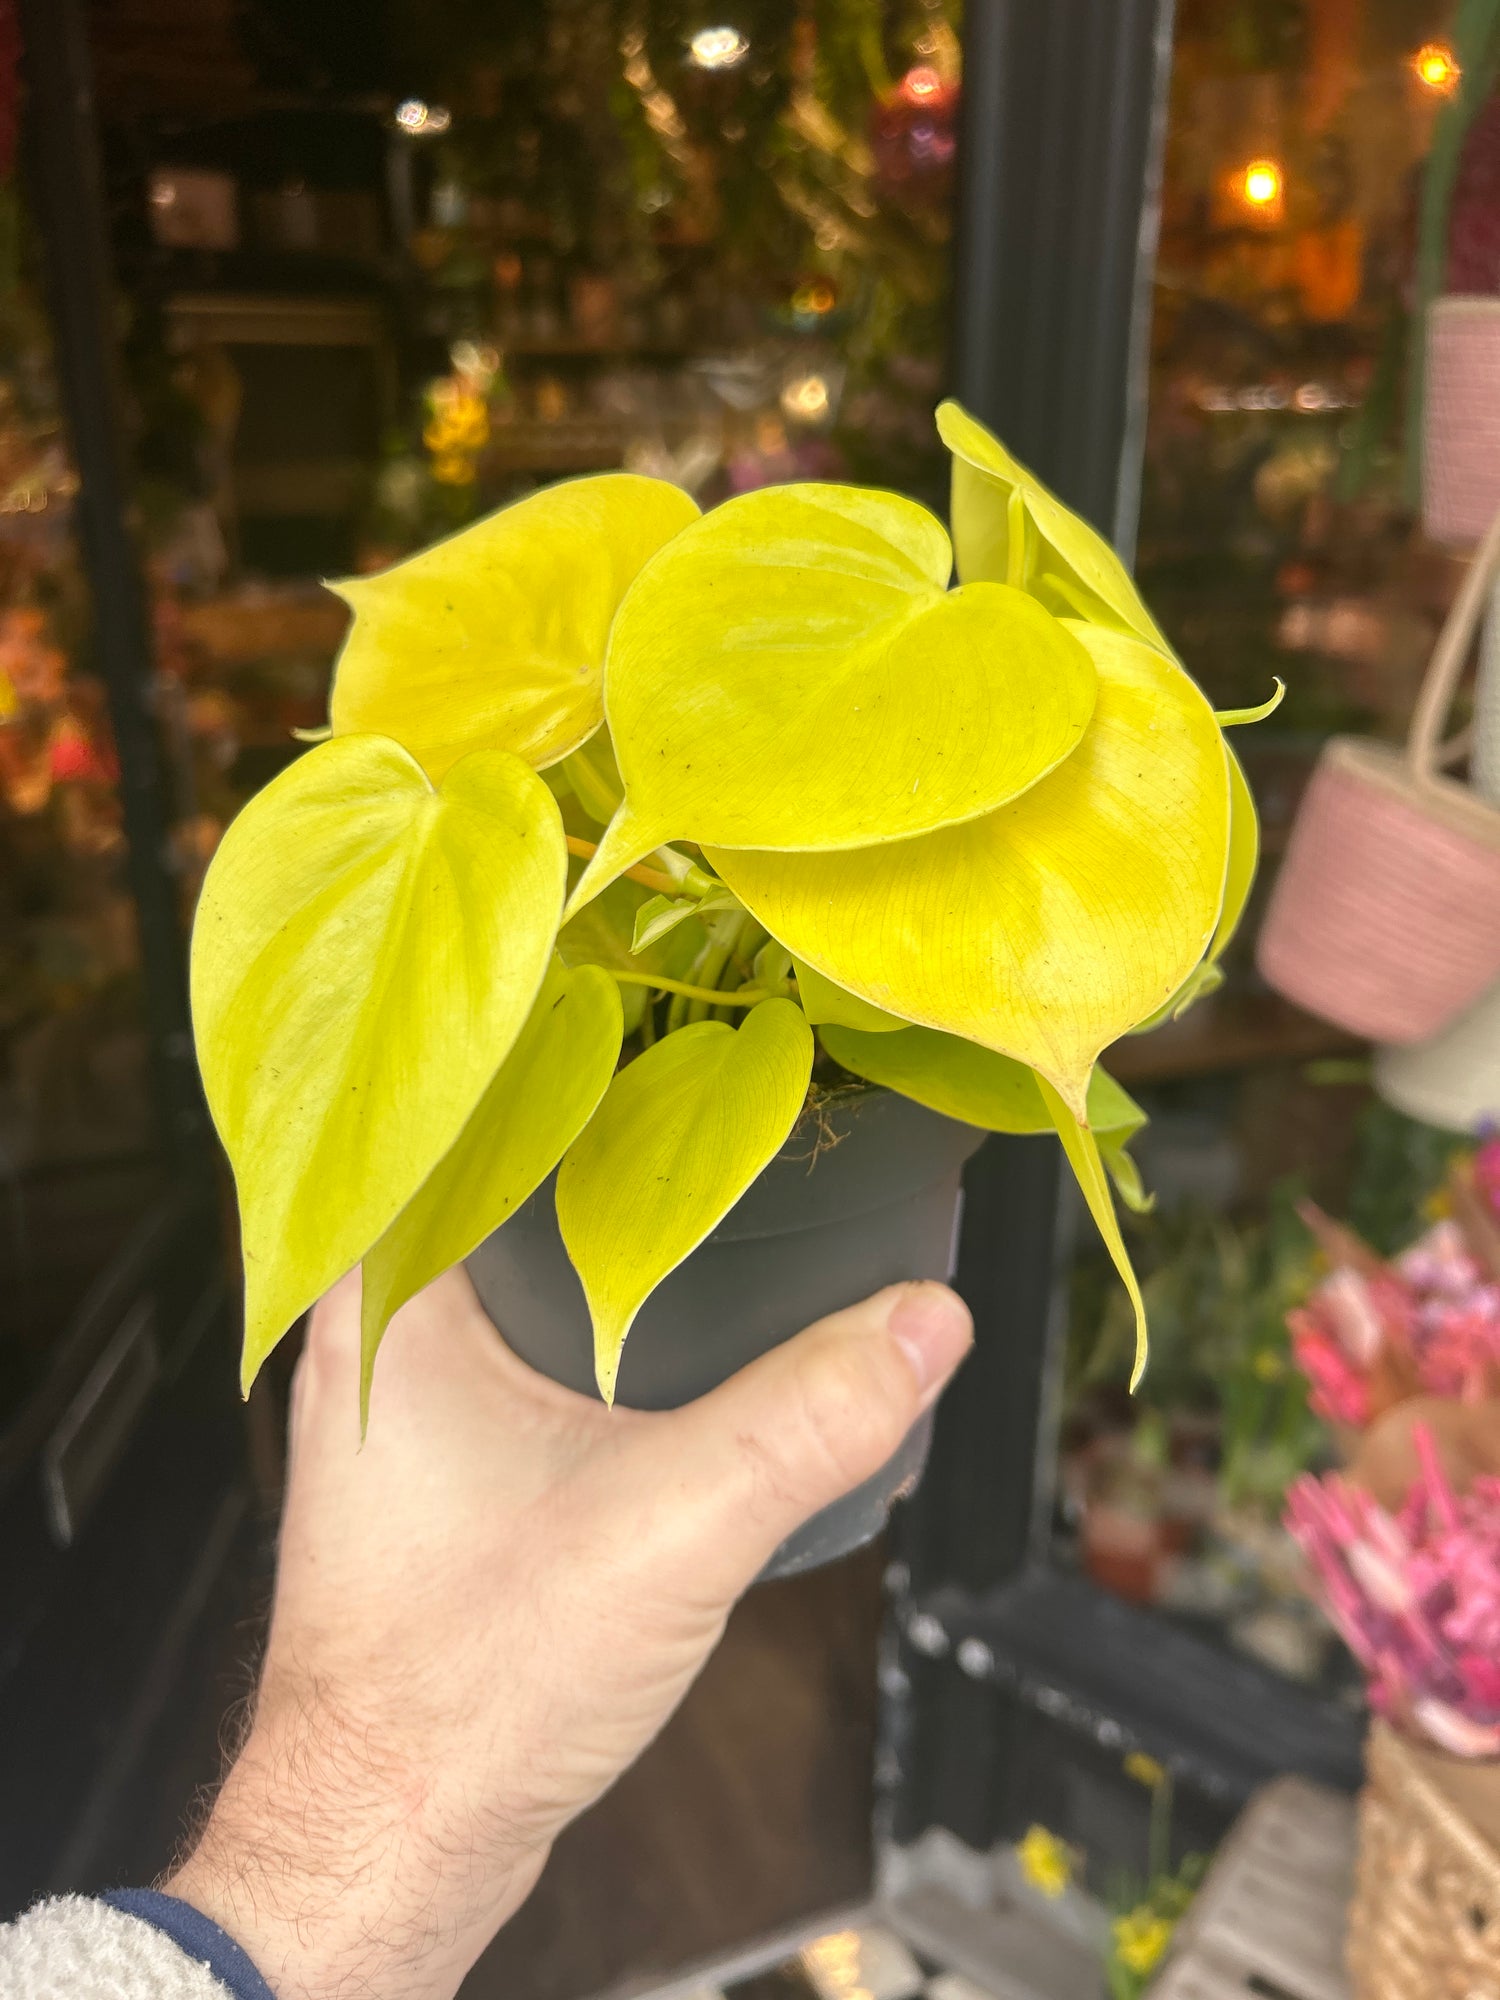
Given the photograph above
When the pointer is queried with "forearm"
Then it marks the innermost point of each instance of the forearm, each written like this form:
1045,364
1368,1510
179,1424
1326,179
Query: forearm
339,1868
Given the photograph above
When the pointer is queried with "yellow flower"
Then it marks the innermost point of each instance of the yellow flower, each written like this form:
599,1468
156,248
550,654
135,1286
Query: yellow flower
1141,1938
1046,1862
1267,1366
1145,1770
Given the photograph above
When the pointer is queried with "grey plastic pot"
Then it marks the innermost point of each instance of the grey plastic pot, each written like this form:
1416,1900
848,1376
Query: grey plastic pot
824,1225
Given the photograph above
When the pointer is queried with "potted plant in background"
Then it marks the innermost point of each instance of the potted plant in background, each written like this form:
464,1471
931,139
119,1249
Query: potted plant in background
870,865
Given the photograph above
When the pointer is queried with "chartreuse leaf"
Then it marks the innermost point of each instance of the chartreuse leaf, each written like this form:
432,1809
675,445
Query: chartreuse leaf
1059,553
663,914
1239,878
603,934
823,1002
366,950
680,1135
1065,918
792,672
1082,1150
495,637
963,1080
1244,854
542,1096
1234,718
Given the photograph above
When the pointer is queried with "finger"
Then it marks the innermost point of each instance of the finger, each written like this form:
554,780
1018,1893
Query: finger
801,1427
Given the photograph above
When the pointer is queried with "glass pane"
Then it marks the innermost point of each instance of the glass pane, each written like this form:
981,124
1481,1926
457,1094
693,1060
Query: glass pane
1276,539
77,1161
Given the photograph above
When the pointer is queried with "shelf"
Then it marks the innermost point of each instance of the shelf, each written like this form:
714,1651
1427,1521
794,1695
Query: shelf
566,348
237,631
1132,1680
1228,1032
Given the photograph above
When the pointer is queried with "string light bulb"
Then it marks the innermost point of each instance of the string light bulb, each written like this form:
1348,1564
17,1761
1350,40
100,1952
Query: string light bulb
718,48
422,120
1436,68
806,399
1261,184
921,84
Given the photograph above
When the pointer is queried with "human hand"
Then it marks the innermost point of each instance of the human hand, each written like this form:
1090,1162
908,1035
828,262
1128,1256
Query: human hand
484,1614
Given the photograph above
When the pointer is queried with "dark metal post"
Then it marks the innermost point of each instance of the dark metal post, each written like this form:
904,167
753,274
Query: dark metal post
1059,169
67,201
1059,186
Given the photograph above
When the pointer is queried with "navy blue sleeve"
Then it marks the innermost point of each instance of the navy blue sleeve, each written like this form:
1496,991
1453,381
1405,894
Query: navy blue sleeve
200,1939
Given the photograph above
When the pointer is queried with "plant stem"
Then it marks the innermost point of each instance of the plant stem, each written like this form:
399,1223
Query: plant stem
747,996
650,878
710,972
1159,1841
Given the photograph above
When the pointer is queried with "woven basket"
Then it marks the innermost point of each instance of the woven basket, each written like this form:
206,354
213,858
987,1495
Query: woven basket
1453,1078
1385,917
1425,1920
1461,423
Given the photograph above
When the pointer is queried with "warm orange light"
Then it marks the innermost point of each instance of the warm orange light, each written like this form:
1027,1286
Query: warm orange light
1436,68
1261,183
921,84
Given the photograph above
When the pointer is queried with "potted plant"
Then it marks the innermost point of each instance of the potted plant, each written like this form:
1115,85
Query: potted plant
830,825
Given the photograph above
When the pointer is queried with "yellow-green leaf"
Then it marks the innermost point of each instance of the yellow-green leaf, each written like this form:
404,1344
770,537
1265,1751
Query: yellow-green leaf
1049,928
1239,878
680,1135
1082,1150
595,778
366,950
963,1080
824,1003
1243,858
494,638
1061,549
542,1096
791,673
1234,718
603,934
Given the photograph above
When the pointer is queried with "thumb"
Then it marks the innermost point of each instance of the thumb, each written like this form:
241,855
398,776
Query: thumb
803,1425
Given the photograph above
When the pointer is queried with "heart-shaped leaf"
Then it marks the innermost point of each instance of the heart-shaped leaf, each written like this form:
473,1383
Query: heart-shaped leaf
542,1096
792,673
962,1080
1049,928
1239,878
1062,558
680,1135
366,950
823,1002
1084,1158
494,639
982,1088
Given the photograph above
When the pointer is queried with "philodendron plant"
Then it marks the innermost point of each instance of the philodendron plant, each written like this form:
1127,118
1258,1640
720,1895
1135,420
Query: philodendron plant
826,816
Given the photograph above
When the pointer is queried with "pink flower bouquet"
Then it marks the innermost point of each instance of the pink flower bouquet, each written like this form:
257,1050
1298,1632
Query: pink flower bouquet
1415,1595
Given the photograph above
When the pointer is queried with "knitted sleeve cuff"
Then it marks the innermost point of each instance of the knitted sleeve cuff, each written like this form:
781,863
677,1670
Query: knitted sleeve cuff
130,1945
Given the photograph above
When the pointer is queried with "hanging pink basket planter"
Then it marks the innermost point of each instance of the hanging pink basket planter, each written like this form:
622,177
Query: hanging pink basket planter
1461,425
1385,918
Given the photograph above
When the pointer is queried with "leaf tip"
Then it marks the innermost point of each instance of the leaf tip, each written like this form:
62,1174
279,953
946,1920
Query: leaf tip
1234,718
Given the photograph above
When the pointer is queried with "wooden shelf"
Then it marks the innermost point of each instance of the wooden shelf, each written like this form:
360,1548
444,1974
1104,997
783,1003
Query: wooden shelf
237,631
1227,1032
